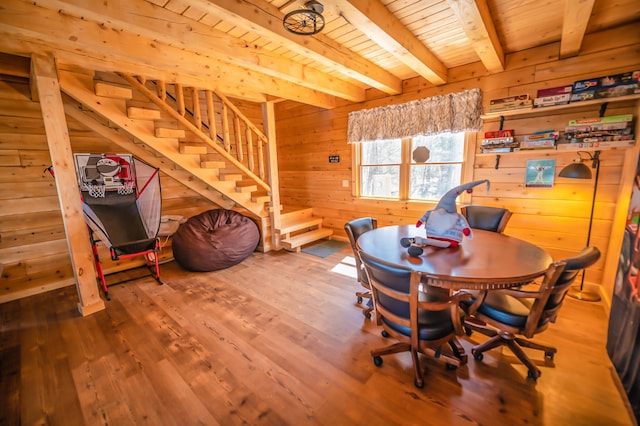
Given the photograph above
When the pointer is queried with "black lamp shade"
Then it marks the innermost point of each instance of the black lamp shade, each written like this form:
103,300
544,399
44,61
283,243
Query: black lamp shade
576,171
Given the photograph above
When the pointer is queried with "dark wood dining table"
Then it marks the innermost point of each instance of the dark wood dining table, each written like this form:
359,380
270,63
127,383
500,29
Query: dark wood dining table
488,260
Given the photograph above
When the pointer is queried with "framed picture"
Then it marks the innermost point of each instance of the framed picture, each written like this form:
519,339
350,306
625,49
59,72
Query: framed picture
540,173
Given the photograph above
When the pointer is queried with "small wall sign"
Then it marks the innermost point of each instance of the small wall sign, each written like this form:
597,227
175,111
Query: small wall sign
334,158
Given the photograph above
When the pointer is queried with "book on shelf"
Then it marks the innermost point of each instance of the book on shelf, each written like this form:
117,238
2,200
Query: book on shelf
597,120
544,134
498,149
509,99
496,141
554,91
511,106
551,100
548,143
595,144
505,133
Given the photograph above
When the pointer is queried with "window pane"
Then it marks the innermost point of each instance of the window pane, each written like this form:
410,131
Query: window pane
445,147
431,182
382,152
380,181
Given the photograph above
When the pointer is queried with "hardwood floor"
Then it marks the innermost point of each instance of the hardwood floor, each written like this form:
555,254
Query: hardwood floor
276,340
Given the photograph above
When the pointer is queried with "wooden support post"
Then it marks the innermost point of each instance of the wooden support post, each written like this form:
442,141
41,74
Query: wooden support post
269,125
44,73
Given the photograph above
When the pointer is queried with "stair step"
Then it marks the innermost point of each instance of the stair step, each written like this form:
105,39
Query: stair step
187,148
164,132
294,243
143,113
112,90
297,226
261,199
246,188
212,164
230,176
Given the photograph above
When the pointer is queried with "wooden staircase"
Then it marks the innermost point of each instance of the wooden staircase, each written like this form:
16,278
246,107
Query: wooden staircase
300,227
150,120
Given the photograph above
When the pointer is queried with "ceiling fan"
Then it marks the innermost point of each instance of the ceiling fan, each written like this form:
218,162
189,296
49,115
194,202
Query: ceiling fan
307,21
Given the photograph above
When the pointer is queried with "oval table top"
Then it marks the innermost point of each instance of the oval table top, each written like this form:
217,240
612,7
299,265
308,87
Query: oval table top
488,260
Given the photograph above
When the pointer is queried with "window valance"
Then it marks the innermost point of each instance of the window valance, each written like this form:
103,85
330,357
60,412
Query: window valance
453,112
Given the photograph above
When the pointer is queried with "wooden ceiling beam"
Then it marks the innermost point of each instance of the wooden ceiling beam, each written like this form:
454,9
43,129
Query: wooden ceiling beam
17,66
160,24
474,17
574,25
265,20
380,25
87,43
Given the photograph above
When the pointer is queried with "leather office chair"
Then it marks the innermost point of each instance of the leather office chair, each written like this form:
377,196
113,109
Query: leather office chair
422,322
354,229
488,218
504,315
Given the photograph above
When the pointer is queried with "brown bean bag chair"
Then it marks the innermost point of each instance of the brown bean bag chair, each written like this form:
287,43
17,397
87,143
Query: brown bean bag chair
215,239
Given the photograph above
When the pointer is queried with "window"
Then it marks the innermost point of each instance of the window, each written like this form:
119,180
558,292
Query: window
387,168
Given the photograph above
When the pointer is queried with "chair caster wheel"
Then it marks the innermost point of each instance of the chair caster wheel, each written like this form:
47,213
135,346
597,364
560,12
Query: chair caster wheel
384,333
418,383
468,331
377,361
549,355
533,375
451,366
359,299
367,315
478,356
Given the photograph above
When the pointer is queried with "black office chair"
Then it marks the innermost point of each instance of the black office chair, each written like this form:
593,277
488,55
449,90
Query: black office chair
421,320
354,229
485,217
503,315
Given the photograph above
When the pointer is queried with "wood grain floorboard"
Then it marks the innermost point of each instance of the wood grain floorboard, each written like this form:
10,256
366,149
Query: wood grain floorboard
276,340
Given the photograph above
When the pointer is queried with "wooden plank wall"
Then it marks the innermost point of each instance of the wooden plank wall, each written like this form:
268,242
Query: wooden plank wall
33,247
555,219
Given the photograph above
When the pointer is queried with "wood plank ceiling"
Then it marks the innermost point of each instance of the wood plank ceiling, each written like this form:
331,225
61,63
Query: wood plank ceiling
241,48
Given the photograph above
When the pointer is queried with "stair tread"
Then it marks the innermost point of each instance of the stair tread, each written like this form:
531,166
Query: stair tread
112,90
307,237
165,132
143,113
298,225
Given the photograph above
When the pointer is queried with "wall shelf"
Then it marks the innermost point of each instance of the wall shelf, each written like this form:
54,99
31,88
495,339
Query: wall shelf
558,151
576,106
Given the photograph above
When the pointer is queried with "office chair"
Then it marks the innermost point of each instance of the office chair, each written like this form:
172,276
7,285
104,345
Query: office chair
488,218
354,229
421,320
504,315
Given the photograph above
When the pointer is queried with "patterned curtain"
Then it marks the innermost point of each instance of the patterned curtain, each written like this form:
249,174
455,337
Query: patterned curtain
454,112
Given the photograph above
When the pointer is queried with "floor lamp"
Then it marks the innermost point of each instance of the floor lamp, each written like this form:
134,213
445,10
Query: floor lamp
579,170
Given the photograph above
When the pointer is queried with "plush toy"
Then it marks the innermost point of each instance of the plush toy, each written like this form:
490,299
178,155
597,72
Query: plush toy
444,226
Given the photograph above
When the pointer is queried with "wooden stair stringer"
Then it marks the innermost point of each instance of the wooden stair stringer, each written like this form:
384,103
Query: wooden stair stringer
80,88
